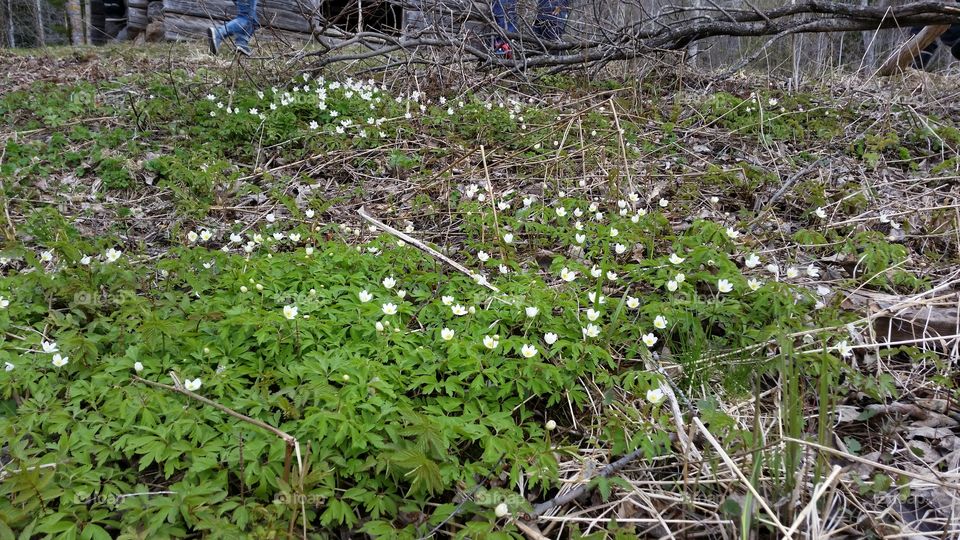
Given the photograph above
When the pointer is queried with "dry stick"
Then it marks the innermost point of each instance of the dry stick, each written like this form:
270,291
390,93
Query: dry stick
874,464
736,470
417,243
909,50
817,493
786,186
493,203
290,440
573,494
5,473
623,147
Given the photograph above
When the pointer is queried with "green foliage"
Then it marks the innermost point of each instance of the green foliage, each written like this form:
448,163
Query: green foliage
879,261
790,117
394,420
389,419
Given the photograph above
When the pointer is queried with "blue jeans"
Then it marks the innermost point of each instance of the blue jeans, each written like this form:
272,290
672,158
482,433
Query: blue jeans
243,25
551,17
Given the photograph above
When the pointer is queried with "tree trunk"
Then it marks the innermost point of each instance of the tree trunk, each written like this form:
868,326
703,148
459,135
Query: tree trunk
41,33
11,40
76,22
869,51
87,27
693,49
909,50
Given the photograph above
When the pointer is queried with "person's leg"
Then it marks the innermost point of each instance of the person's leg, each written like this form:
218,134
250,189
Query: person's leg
247,18
551,18
951,39
505,15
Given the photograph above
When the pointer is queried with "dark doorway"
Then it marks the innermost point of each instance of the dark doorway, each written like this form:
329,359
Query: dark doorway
378,15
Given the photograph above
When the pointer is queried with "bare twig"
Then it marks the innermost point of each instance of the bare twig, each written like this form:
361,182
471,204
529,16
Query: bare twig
420,245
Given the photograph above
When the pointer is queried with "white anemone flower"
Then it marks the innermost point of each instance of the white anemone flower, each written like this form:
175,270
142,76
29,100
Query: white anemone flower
389,308
490,342
660,322
550,338
446,334
724,286
193,385
290,312
567,275
112,255
844,349
528,351
60,361
649,339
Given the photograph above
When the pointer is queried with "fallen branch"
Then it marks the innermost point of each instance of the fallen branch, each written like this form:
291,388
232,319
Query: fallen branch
564,498
468,27
905,54
874,464
292,444
736,470
423,247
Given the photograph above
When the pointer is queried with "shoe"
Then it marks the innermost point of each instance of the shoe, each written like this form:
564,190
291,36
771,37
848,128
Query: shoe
212,41
502,50
244,50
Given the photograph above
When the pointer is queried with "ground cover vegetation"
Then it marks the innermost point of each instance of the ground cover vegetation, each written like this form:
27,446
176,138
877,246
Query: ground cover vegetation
656,267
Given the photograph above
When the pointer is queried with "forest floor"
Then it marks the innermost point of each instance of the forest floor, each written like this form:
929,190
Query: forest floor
746,295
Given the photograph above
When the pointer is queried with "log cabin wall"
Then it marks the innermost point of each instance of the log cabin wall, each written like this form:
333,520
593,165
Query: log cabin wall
189,19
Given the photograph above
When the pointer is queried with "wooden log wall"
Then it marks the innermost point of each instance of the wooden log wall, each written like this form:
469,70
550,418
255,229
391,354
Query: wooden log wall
137,14
189,19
